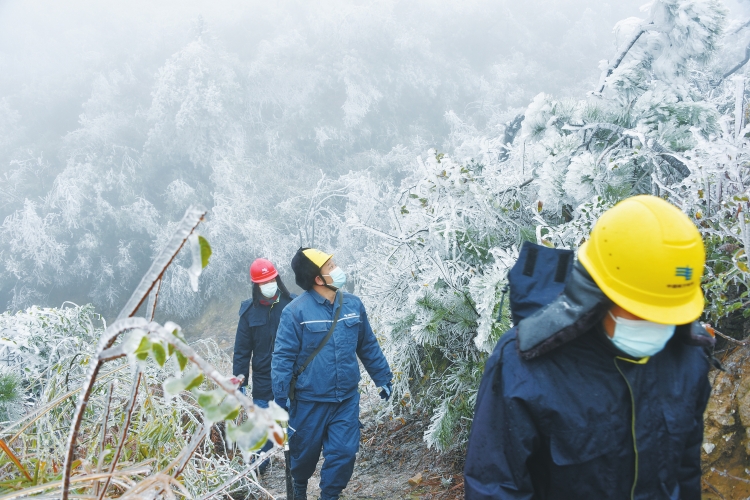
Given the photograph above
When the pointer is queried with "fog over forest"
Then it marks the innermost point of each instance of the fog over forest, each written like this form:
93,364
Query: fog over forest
114,117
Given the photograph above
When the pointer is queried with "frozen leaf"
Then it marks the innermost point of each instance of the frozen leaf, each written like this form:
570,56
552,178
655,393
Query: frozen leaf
226,410
174,328
181,360
144,348
173,386
205,250
207,399
194,271
249,436
189,380
276,412
160,354
277,434
133,340
197,381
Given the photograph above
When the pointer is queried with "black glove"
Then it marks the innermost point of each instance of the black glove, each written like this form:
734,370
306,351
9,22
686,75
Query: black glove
385,391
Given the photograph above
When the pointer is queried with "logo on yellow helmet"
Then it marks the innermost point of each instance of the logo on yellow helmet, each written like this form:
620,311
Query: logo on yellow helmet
685,272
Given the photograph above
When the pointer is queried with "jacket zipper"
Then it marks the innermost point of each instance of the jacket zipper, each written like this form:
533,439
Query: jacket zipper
642,361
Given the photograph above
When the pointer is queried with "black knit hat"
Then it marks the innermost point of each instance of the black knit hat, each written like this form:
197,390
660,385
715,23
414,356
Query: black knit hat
305,270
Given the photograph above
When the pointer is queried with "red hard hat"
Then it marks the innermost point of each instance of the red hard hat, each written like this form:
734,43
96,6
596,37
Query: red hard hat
262,270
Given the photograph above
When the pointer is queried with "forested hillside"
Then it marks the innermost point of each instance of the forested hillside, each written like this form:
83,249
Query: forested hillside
112,122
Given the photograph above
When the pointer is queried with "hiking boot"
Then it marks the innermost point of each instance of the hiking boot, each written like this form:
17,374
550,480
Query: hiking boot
300,491
263,468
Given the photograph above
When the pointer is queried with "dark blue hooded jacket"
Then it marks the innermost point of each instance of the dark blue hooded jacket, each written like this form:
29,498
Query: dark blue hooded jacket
256,334
569,416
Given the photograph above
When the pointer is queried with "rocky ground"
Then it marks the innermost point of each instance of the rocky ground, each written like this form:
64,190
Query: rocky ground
726,444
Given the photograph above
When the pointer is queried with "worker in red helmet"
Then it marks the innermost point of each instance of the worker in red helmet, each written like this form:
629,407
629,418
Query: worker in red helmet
256,333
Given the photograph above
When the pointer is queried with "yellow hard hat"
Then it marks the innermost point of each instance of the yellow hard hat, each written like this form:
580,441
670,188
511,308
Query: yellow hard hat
648,257
317,257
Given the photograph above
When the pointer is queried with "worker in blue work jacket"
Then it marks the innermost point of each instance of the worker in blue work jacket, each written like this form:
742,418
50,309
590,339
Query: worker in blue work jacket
600,394
256,334
316,375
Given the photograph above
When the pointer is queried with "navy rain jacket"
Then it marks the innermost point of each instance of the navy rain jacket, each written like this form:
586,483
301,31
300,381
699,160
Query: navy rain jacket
256,333
333,375
583,421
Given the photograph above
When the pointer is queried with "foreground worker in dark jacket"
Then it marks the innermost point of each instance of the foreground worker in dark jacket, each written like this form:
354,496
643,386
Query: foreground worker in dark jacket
601,393
256,333
323,400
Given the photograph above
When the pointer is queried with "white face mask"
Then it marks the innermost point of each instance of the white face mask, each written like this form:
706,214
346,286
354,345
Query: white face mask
269,289
338,276
640,338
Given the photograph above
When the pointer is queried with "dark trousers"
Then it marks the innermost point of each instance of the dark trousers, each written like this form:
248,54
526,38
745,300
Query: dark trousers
332,427
263,403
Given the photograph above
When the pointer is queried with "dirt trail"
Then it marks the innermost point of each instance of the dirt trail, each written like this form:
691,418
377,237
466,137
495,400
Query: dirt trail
391,453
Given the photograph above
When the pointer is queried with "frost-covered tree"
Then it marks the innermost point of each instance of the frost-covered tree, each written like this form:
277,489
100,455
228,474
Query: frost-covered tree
240,111
662,120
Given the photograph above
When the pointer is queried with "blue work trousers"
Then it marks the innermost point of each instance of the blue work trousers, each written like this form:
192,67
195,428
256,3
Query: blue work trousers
263,403
332,427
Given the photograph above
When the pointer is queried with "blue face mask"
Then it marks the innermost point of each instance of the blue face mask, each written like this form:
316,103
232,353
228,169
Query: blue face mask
640,338
338,276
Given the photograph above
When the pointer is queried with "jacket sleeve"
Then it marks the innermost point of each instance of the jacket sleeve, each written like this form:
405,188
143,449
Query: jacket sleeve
690,466
502,442
369,352
243,349
285,353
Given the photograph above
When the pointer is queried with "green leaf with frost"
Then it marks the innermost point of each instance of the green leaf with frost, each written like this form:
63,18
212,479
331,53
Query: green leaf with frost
144,348
248,436
160,354
182,360
205,250
207,399
196,381
173,386
229,409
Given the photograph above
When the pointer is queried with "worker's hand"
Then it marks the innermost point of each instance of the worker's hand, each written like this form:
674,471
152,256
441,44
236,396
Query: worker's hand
385,391
283,402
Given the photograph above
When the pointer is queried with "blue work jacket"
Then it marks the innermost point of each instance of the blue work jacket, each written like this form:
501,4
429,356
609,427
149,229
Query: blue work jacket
256,333
585,421
333,375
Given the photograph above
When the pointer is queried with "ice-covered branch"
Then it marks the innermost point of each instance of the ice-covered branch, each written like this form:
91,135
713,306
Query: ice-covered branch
614,64
193,217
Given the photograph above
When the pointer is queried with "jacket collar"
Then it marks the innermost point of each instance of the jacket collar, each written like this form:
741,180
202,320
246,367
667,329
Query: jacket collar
269,302
318,297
